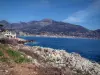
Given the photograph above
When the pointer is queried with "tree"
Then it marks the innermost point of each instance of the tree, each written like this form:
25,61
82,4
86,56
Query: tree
1,25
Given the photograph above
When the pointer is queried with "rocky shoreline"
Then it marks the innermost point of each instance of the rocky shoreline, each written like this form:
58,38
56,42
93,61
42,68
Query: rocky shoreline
49,58
60,59
14,41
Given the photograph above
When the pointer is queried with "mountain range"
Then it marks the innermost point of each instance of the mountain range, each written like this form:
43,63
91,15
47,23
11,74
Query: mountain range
51,27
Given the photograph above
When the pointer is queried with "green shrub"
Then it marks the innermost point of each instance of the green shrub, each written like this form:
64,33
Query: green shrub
1,53
22,59
4,59
17,56
13,53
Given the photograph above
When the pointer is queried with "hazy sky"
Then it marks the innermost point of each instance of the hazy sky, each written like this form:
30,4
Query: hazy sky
81,12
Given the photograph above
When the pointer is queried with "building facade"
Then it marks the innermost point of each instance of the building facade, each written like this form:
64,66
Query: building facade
9,34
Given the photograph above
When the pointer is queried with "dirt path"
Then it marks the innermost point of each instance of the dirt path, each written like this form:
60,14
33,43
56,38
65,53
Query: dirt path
29,69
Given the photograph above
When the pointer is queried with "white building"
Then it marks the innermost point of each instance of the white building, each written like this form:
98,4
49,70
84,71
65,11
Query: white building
9,34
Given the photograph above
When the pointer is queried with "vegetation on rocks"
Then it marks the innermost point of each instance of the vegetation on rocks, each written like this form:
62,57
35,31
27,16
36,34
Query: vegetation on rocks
61,59
47,61
1,53
10,55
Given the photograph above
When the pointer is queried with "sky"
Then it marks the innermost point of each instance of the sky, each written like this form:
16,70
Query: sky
81,12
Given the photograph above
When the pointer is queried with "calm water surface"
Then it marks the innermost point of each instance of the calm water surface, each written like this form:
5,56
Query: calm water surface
87,48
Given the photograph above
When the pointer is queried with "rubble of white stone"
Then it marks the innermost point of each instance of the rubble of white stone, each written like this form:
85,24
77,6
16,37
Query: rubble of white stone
61,58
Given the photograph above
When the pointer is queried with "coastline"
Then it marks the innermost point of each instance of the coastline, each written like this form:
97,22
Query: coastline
52,36
87,48
60,58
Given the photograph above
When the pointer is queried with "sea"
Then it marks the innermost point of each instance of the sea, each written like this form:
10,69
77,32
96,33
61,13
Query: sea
88,48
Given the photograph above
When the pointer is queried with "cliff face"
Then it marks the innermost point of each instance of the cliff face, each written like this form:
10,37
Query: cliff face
60,59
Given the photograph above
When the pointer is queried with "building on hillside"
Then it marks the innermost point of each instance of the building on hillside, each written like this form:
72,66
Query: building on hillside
6,33
9,34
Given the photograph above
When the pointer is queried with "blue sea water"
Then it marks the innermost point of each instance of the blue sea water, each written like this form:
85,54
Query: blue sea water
88,48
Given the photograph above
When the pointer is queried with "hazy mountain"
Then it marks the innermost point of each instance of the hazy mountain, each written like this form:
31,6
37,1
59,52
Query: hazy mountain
49,26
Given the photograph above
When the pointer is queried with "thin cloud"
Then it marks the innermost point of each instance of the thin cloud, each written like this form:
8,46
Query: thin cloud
83,15
77,17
